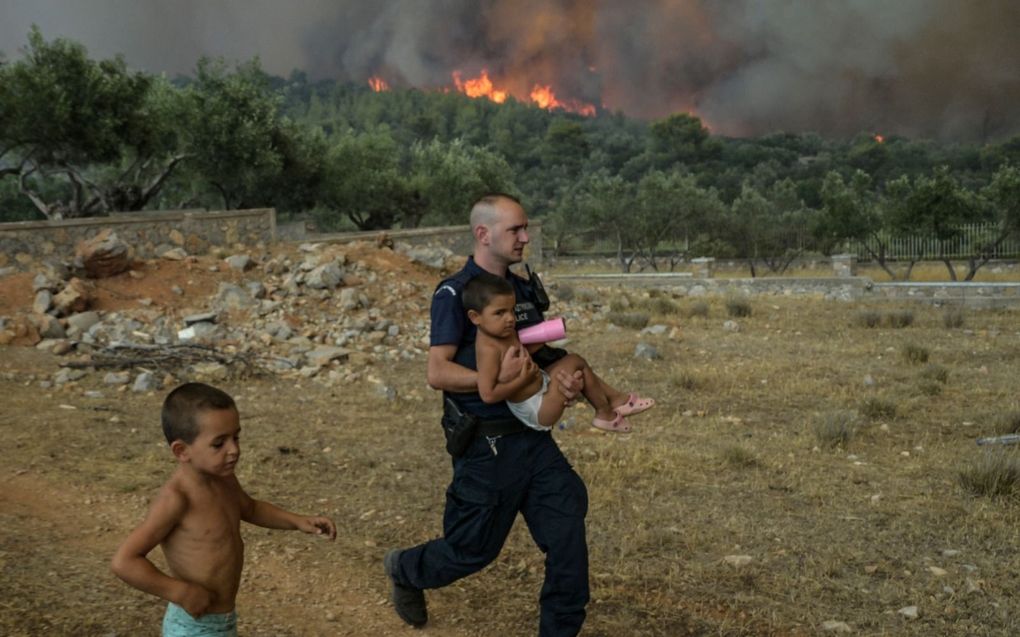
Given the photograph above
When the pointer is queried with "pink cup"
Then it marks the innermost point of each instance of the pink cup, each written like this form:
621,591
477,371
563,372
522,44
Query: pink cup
549,330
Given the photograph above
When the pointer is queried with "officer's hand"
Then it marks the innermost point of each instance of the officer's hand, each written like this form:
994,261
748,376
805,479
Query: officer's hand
570,384
512,364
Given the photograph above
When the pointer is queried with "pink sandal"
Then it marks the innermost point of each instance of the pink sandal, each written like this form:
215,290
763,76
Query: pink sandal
616,425
635,405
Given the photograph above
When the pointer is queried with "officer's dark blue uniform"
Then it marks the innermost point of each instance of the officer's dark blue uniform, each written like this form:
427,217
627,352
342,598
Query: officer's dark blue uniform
500,476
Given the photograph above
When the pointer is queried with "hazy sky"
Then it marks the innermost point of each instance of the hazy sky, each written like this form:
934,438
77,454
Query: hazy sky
932,68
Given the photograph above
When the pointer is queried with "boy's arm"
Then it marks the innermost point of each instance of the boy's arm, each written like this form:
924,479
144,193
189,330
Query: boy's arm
270,516
490,388
131,564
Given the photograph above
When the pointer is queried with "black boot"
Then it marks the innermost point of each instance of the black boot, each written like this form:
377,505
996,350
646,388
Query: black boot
409,602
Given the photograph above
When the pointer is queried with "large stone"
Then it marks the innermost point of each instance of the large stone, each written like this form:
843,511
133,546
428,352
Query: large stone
174,254
103,255
240,262
209,371
325,277
82,321
43,301
75,297
145,381
349,299
48,326
322,356
231,297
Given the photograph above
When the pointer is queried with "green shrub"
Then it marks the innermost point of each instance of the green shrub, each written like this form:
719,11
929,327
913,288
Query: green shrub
929,388
586,295
995,473
620,304
836,428
564,292
868,318
740,456
698,308
684,380
936,373
953,317
738,307
875,408
1008,423
632,320
660,305
915,354
903,318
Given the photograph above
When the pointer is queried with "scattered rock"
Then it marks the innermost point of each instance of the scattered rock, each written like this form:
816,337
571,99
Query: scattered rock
103,255
75,297
322,356
117,378
834,626
82,321
209,371
738,561
240,262
646,351
173,254
655,330
204,317
325,277
731,326
910,612
145,381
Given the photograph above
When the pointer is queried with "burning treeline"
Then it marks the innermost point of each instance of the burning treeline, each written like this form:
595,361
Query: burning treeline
921,68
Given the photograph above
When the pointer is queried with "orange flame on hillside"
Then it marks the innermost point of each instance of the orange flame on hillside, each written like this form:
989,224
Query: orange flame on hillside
378,84
480,86
541,96
879,138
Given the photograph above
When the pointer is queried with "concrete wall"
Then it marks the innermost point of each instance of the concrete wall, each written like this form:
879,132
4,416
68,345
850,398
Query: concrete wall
834,288
24,242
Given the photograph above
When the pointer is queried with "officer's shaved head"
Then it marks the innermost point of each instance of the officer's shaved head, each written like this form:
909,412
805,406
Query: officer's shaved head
485,212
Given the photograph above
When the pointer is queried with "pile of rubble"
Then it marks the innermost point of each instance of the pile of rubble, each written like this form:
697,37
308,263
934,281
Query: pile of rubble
322,311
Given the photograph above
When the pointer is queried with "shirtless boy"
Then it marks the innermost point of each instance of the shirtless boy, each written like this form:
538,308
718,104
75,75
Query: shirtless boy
196,517
489,301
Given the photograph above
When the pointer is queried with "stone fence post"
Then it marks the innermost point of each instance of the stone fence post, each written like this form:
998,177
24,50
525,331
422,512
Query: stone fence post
704,267
844,265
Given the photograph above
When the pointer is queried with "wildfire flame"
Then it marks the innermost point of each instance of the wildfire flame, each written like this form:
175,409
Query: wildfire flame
480,86
378,84
541,96
879,138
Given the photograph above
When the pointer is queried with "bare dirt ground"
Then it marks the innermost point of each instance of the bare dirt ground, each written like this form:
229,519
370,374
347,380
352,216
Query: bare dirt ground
726,464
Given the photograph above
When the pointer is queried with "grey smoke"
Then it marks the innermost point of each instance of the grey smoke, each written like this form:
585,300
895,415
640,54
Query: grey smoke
924,68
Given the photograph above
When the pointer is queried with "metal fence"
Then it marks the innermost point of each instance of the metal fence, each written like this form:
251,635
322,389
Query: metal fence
965,243
968,241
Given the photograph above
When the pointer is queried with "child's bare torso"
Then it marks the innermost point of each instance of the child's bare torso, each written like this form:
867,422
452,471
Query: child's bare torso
206,547
501,345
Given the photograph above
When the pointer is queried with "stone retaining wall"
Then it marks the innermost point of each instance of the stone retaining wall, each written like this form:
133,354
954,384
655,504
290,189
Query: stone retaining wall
458,239
25,242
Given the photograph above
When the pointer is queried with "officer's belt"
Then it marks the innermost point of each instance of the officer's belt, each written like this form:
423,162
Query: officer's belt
493,426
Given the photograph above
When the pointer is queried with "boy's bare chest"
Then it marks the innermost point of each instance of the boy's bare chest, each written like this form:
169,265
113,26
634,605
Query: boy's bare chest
212,515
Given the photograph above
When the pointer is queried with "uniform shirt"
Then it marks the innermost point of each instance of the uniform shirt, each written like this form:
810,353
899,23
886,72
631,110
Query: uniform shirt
451,326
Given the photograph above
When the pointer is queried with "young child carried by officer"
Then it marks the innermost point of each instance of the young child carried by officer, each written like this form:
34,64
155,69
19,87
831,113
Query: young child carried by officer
489,301
196,518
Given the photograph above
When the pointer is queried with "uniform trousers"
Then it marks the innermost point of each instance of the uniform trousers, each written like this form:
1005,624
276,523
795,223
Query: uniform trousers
494,480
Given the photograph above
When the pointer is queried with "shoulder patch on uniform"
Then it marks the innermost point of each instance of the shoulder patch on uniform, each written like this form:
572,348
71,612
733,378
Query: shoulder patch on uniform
445,287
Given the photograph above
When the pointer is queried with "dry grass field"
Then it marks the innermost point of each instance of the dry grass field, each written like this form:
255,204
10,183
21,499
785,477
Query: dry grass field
825,453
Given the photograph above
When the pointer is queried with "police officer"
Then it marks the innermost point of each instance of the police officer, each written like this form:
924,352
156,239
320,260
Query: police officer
506,467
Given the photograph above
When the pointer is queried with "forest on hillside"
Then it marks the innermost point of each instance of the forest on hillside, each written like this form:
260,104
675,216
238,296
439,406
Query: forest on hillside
87,137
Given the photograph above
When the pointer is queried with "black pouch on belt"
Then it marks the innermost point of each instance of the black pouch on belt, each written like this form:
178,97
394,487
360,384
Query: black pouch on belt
459,428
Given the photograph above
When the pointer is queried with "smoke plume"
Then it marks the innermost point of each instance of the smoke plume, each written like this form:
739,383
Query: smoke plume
922,68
